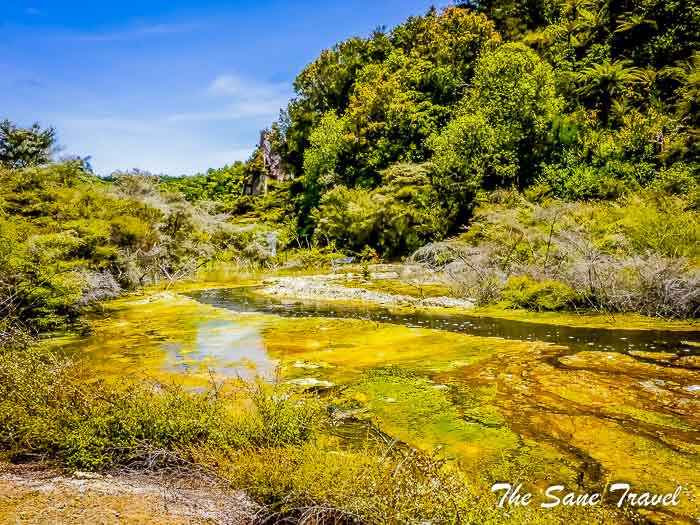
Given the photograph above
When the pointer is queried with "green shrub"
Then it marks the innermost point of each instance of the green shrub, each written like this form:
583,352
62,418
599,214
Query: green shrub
396,218
48,408
659,223
524,292
380,486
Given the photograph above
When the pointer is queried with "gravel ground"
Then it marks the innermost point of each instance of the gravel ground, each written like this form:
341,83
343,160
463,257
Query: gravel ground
35,495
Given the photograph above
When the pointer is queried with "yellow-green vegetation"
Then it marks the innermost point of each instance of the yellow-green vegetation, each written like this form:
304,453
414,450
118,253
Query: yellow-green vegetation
421,413
624,321
48,408
402,287
355,345
386,489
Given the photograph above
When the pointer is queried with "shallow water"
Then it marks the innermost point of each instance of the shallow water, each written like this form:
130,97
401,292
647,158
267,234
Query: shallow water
578,406
242,300
531,403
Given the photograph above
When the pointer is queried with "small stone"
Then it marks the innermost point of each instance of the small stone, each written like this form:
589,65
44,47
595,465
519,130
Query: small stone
86,475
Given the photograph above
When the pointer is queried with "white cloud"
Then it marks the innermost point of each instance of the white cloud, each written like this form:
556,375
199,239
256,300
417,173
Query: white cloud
227,85
244,98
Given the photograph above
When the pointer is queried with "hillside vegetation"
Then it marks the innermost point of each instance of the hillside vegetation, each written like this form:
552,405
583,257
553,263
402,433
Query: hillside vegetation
69,239
562,136
555,145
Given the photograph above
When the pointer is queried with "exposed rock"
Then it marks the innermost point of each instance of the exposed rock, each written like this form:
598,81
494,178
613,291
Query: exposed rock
311,382
318,287
273,169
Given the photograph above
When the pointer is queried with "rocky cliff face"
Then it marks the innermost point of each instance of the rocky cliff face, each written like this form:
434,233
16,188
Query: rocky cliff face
273,162
272,168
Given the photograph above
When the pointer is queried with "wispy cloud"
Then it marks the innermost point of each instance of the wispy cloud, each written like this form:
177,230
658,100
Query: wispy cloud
241,98
227,85
152,144
236,111
235,85
33,11
133,32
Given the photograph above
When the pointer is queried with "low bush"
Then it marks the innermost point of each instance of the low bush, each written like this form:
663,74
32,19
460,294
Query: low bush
377,486
637,254
524,292
439,254
48,409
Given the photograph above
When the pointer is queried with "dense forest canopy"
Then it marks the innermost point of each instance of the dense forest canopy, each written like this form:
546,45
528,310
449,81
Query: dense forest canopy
575,99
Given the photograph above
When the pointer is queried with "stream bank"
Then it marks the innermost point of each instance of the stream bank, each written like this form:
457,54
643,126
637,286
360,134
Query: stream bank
490,396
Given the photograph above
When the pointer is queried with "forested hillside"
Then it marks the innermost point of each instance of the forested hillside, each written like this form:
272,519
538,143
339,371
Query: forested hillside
522,111
567,99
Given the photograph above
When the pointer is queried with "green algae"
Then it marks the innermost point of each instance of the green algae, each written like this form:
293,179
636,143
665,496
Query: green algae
617,362
509,409
654,418
350,345
169,337
415,411
626,321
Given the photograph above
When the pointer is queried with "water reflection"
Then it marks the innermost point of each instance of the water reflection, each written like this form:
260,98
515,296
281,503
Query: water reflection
229,348
576,338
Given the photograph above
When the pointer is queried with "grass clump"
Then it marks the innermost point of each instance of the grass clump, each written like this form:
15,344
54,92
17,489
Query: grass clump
311,485
48,409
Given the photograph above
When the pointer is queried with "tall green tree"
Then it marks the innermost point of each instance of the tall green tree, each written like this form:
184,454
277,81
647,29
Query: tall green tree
22,147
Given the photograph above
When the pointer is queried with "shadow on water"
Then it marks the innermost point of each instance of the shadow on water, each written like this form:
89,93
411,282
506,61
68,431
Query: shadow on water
576,338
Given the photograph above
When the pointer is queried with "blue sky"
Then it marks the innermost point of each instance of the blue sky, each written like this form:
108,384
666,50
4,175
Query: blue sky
173,86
